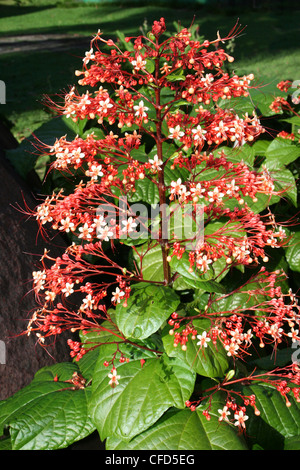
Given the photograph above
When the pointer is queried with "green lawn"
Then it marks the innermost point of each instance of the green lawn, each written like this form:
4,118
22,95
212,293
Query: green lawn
268,47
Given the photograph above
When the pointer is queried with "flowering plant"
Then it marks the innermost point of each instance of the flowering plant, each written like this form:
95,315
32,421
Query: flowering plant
185,314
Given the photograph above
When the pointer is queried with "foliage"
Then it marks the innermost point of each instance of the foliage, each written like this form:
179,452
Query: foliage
186,319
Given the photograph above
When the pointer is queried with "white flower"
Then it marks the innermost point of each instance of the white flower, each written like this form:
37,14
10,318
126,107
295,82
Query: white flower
215,195
203,262
104,106
130,225
224,413
85,231
68,289
232,348
104,233
198,134
139,63
87,302
237,336
67,225
221,130
240,419
113,377
117,295
232,187
76,156
89,55
43,214
94,171
294,335
85,99
247,337
140,109
175,133
155,162
50,295
207,80
177,187
197,191
39,279
203,340
99,221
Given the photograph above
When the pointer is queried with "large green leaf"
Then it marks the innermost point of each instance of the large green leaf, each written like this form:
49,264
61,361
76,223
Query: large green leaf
146,191
144,393
282,151
273,410
292,443
151,265
152,269
211,361
185,430
247,297
259,98
245,153
292,252
147,309
42,416
5,443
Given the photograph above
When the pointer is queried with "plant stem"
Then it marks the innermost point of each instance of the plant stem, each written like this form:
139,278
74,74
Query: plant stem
163,226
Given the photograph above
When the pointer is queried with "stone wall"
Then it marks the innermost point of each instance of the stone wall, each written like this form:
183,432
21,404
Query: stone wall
20,250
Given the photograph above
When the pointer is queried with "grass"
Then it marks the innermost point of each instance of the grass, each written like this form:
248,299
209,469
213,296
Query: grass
268,46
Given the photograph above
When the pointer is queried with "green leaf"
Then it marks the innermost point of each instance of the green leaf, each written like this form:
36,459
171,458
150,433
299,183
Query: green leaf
292,252
93,340
259,98
176,173
5,443
152,269
25,156
260,147
145,190
245,153
212,233
97,131
184,430
273,410
227,304
282,151
76,126
181,266
285,183
209,362
151,266
126,45
292,443
143,394
150,66
42,417
148,308
176,76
